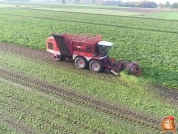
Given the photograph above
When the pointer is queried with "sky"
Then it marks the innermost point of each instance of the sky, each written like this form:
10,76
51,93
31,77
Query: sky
157,1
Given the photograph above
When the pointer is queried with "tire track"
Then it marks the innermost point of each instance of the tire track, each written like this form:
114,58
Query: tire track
84,99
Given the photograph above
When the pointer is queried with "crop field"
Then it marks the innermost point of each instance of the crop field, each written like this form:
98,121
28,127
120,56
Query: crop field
152,41
39,95
171,15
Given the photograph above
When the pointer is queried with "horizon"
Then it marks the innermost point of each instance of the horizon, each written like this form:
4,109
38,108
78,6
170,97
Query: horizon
157,1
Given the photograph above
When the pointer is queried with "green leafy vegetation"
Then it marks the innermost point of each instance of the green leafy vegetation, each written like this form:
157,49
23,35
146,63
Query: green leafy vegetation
47,116
125,90
171,15
6,130
151,42
155,51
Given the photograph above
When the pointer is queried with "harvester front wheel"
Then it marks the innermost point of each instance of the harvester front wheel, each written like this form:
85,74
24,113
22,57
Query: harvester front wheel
80,62
96,65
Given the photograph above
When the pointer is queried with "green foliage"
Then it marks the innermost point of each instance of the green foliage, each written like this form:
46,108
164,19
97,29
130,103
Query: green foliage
174,5
143,4
146,4
163,16
126,90
156,51
6,130
48,116
167,4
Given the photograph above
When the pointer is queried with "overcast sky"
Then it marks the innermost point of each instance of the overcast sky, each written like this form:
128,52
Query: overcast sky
157,1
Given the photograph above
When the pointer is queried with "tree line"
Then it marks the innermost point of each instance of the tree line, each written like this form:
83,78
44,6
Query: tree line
149,4
168,5
143,4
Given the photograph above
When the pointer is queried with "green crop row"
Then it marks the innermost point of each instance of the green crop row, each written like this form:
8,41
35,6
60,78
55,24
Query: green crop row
47,116
155,51
171,15
105,20
130,93
6,130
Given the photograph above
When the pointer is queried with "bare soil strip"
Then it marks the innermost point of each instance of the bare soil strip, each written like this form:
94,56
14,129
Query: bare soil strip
17,125
74,106
84,99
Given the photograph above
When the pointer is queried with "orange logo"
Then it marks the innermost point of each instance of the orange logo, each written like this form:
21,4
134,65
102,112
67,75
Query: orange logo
168,123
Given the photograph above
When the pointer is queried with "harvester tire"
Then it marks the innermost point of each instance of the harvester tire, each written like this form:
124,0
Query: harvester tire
80,62
96,65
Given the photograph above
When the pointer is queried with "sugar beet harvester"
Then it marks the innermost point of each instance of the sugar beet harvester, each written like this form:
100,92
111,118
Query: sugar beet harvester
88,50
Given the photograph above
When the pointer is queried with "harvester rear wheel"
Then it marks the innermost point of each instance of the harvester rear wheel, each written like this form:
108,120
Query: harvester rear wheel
80,62
96,65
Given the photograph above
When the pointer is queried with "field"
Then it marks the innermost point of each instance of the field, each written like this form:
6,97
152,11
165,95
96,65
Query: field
39,95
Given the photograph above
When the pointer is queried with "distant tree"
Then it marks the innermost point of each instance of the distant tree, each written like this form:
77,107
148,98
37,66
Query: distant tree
147,4
63,1
99,2
174,5
167,4
77,1
93,1
143,4
161,6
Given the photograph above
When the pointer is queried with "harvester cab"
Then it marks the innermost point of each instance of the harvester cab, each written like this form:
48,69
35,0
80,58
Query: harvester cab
103,47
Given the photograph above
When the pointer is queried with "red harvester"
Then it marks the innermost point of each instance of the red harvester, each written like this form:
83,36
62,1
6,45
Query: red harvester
88,50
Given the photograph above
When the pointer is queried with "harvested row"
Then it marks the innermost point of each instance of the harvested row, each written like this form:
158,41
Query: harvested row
82,99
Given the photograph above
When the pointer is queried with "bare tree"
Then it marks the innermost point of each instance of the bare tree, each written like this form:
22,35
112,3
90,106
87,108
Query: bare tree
161,6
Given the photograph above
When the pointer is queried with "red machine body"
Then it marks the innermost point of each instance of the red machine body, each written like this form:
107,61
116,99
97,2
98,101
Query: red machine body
87,50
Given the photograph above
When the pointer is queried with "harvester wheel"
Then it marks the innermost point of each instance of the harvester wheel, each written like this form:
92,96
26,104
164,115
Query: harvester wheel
96,65
80,62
